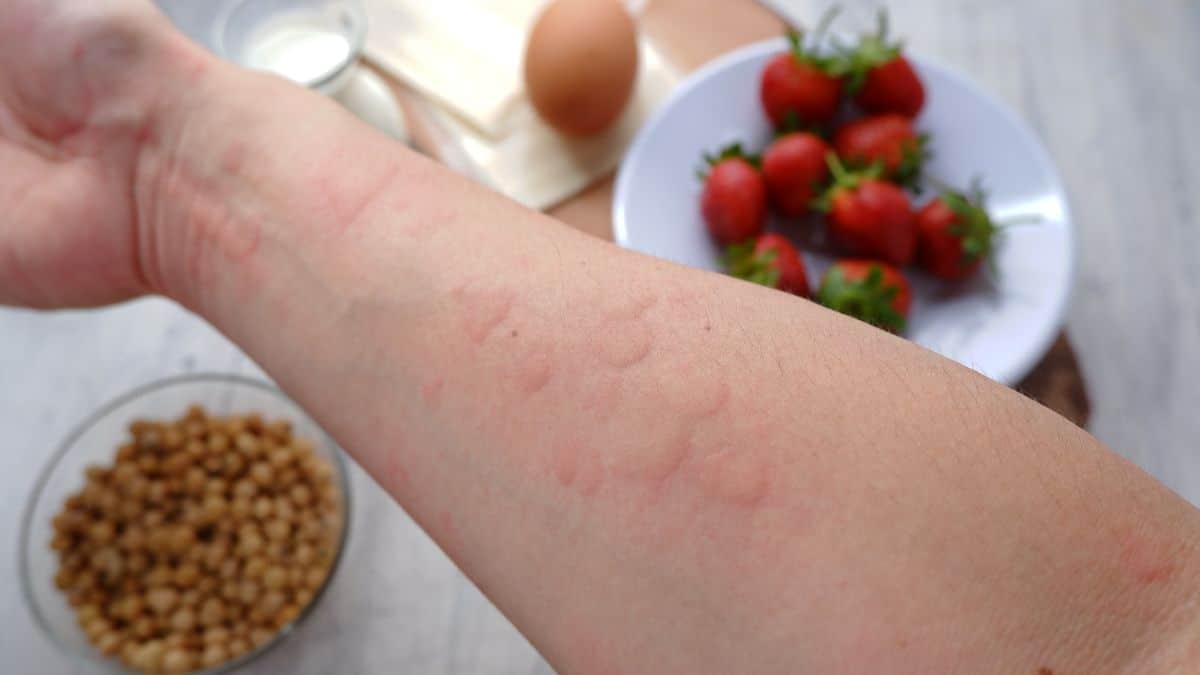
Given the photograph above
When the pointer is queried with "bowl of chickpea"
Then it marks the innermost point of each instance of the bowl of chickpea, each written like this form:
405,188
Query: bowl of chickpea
187,526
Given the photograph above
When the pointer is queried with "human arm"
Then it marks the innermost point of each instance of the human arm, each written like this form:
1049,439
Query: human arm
648,468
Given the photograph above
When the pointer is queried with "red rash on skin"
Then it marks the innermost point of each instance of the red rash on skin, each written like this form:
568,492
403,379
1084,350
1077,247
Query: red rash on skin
566,463
431,393
533,370
603,397
234,158
1146,561
483,309
656,460
589,474
623,339
736,477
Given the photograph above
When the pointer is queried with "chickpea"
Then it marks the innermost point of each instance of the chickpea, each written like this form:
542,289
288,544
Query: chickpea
284,509
247,444
162,600
302,596
207,585
64,579
195,481
102,531
278,530
241,507
237,647
86,613
148,464
108,643
287,615
129,510
183,620
302,447
212,612
126,452
282,457
287,477
152,519
137,562
279,430
214,655
248,592
254,421
216,486
234,425
181,539
314,577
186,575
96,627
260,636
143,627
250,544
150,656
217,635
230,591
157,492
272,602
228,569
245,489
196,449
177,661
172,438
263,508
218,444
255,567
262,473
275,577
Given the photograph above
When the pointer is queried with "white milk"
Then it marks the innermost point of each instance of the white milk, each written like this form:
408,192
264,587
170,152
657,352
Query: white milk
300,46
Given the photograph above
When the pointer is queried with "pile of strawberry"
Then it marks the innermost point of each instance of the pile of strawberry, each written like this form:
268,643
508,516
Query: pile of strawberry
847,149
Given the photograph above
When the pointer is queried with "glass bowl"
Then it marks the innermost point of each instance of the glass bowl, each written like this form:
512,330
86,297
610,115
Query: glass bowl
314,43
95,441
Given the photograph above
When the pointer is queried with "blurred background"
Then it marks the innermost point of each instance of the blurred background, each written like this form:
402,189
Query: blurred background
1110,86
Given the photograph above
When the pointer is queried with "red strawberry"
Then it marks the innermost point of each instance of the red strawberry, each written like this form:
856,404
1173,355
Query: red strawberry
770,260
871,291
889,140
800,87
879,77
795,170
955,235
734,202
869,217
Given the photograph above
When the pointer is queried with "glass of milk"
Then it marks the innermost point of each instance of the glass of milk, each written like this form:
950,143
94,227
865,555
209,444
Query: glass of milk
314,43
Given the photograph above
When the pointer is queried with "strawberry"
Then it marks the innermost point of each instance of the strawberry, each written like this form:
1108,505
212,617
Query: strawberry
867,216
887,139
795,169
955,235
734,201
770,260
872,291
800,87
878,75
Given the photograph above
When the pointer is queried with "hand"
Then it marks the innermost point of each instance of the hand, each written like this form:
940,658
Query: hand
82,86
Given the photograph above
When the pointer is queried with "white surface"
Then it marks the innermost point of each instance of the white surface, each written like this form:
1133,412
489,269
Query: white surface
999,325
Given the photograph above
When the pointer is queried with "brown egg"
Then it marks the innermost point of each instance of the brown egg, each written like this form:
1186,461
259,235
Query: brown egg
581,64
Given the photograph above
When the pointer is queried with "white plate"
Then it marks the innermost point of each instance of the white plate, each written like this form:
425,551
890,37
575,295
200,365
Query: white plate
999,325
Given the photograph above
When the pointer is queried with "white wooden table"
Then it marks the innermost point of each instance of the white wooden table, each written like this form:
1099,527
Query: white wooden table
1111,86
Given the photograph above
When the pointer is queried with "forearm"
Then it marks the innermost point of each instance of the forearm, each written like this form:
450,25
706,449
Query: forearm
648,468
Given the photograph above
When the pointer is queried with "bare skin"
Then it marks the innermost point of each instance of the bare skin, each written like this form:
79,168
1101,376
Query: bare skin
649,469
